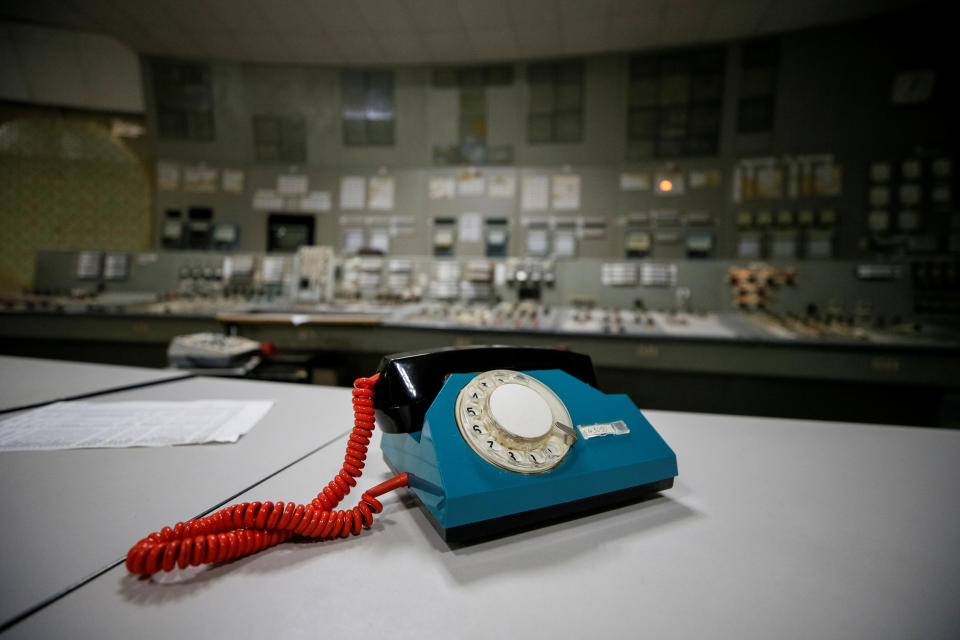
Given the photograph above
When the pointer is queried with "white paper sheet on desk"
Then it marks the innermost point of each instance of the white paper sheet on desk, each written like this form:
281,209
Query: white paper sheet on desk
81,425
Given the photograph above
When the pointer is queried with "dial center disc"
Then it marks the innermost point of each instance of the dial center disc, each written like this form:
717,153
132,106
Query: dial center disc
520,411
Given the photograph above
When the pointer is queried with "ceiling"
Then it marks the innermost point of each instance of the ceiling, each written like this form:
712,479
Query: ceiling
374,32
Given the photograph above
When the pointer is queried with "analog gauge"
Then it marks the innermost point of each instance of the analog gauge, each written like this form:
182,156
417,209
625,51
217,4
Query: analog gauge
514,421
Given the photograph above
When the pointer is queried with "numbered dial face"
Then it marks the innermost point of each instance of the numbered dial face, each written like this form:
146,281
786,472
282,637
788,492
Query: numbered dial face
514,421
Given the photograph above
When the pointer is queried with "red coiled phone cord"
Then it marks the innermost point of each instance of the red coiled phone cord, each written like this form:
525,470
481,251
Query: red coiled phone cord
249,527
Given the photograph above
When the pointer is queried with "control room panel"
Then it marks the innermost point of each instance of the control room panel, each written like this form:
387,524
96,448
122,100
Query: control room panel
721,299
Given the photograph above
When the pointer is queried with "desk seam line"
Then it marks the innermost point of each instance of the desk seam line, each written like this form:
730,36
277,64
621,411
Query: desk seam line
43,604
93,394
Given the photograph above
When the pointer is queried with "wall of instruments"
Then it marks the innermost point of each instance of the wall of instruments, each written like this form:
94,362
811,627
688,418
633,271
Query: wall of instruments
837,300
819,145
829,340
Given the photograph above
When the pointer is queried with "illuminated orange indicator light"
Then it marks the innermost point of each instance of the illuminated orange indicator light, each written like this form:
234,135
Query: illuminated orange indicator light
666,185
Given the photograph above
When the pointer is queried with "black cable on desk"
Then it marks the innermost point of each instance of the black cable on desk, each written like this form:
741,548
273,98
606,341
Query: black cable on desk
92,394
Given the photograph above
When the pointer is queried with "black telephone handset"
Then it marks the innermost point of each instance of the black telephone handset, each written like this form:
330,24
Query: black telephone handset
408,382
488,439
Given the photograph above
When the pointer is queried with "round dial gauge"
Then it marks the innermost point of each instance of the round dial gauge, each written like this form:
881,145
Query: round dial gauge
514,421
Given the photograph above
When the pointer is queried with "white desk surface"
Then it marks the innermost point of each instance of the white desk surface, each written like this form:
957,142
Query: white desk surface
775,529
26,382
68,514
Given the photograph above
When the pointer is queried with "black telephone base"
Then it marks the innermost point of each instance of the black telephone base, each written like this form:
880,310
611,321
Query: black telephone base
476,532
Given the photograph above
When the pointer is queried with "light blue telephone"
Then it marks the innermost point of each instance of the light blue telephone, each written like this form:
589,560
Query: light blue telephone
489,439
496,439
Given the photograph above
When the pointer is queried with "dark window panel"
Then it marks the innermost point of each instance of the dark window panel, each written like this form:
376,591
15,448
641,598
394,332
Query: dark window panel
640,150
644,67
570,96
758,81
473,102
445,77
193,74
183,96
641,123
352,77
380,79
705,120
644,92
674,104
268,152
667,147
172,124
498,75
470,77
755,115
541,73
675,64
568,127
354,132
701,146
172,98
707,87
570,72
539,128
266,129
199,126
675,89
197,98
380,105
380,133
541,98
354,100
472,82
293,150
712,59
673,122
760,53
368,109
280,139
555,110
294,129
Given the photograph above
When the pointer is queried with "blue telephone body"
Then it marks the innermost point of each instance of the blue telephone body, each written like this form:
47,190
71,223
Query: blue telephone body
496,439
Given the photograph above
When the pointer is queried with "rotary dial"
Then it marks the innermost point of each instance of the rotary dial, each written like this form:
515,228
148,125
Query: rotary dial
514,421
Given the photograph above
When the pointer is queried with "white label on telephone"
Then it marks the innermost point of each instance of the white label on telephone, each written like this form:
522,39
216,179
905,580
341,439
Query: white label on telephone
619,427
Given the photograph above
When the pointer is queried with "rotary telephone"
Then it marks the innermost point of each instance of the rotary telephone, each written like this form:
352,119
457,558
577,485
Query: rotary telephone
488,439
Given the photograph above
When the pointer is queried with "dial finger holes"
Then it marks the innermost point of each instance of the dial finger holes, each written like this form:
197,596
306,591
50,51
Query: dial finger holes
509,419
